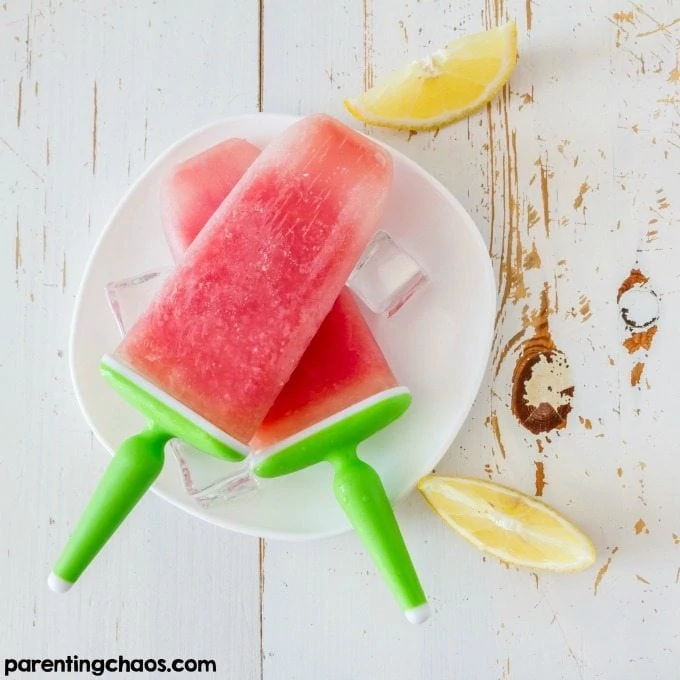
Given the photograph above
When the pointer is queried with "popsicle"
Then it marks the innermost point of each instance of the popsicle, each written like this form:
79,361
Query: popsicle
195,188
342,366
207,359
341,392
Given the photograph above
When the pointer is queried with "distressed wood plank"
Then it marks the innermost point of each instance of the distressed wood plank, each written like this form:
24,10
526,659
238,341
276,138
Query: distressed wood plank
568,176
94,91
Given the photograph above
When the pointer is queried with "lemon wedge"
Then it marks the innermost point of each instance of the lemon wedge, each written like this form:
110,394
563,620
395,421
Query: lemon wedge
440,89
508,524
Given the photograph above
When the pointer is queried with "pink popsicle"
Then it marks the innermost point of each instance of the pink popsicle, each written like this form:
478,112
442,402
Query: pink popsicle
233,321
195,188
342,365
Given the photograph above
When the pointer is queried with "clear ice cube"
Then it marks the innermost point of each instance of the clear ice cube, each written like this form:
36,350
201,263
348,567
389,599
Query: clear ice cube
128,298
386,277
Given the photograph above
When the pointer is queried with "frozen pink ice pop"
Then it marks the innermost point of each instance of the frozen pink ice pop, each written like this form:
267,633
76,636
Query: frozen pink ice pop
342,365
232,322
341,392
195,188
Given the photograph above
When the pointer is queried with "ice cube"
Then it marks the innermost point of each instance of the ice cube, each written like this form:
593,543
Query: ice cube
386,277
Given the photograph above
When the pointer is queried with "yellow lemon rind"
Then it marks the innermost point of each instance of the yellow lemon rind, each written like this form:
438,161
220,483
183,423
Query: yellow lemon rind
448,117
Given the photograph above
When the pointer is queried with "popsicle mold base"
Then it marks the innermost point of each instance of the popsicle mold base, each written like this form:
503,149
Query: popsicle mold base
349,427
170,415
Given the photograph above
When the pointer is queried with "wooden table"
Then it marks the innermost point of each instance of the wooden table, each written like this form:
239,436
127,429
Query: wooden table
571,175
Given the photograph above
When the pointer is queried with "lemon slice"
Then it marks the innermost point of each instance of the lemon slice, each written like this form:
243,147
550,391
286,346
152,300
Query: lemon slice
446,86
514,527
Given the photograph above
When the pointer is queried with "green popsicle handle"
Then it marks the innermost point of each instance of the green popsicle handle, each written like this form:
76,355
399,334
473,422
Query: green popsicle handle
362,496
131,472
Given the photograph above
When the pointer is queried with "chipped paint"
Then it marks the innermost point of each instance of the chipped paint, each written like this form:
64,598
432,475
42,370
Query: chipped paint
539,477
542,383
368,44
514,340
545,192
63,274
623,17
95,114
512,287
20,101
636,374
491,181
532,260
660,28
640,526
641,579
619,472
492,421
533,218
601,574
17,248
635,278
527,98
261,564
586,422
550,374
603,570
562,146
583,190
642,340
529,14
146,134
584,309
404,30
639,307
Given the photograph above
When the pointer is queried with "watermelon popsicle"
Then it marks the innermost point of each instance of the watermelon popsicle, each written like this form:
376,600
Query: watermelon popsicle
196,187
341,392
207,359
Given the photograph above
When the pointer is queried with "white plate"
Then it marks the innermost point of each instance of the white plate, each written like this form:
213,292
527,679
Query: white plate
437,344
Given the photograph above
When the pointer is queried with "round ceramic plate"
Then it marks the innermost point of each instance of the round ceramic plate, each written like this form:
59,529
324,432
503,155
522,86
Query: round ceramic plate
437,344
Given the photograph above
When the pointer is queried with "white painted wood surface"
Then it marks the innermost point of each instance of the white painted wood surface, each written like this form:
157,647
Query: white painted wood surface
578,160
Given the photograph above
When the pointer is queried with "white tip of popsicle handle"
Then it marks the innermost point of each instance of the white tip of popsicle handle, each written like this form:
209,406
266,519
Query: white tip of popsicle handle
57,584
419,614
